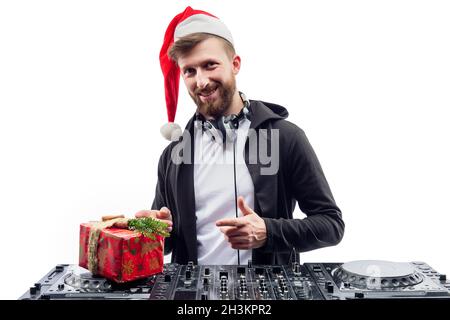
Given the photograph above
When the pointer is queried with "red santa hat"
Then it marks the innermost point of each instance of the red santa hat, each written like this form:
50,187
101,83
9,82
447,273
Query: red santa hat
187,22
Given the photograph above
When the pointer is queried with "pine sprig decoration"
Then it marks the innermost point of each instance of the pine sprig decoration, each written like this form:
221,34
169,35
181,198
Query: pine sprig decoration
149,227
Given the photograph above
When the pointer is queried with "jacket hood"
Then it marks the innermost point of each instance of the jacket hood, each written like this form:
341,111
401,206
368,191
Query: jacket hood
262,111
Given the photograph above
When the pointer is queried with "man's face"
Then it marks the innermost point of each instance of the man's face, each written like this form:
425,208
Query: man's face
209,74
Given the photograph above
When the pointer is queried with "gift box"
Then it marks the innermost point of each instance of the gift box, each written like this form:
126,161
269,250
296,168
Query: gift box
119,254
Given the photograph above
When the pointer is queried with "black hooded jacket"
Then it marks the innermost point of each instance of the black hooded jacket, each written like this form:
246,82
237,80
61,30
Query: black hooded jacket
299,179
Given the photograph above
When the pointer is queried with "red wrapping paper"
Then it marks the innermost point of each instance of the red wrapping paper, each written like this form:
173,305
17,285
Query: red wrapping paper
123,255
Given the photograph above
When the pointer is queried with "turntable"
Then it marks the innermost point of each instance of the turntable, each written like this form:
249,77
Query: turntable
365,279
379,279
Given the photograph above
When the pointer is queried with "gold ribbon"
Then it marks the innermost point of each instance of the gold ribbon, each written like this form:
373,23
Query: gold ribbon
96,228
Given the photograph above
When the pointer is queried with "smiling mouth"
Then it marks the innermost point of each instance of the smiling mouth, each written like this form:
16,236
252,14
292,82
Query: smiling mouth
207,94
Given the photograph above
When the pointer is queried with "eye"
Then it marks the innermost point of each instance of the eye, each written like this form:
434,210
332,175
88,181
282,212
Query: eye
189,71
210,65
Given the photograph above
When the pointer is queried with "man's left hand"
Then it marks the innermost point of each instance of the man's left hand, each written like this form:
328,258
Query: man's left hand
246,232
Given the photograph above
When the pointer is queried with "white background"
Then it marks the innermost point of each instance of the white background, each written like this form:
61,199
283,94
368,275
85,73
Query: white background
81,98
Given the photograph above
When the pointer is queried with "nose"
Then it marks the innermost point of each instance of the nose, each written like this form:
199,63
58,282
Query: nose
202,80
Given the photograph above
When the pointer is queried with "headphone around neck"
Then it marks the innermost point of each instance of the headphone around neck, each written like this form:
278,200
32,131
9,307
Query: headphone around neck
224,127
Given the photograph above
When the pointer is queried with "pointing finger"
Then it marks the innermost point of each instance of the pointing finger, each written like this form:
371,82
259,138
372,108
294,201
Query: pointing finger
226,230
234,222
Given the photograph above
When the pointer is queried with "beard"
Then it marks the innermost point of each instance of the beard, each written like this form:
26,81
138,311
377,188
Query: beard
217,107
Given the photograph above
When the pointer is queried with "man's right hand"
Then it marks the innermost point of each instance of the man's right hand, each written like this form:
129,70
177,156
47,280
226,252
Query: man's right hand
163,215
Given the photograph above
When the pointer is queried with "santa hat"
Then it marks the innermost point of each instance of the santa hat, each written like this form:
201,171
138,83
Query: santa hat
187,22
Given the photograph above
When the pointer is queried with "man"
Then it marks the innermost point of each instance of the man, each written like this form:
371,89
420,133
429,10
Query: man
198,198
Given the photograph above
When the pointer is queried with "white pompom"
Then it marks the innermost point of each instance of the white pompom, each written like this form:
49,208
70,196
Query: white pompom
171,131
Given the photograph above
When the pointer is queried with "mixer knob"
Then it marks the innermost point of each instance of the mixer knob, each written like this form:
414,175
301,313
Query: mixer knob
188,275
442,277
346,284
329,286
35,288
59,268
61,286
204,296
167,278
317,268
205,281
241,270
207,272
359,295
297,268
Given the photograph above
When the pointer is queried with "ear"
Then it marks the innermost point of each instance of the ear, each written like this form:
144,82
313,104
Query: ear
236,64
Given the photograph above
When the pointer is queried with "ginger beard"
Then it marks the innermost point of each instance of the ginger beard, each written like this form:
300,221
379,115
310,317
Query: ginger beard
215,98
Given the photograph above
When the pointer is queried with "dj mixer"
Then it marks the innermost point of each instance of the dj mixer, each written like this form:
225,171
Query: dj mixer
364,279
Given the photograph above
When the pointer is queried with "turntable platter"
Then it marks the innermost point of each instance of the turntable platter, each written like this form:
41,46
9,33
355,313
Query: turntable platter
373,274
378,268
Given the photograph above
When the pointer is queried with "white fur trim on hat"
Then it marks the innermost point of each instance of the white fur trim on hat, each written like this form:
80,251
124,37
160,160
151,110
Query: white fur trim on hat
205,24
